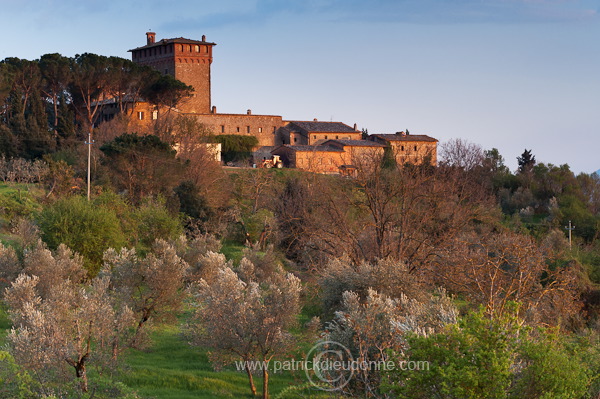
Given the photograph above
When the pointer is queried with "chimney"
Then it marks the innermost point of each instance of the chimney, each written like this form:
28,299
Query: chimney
355,126
150,37
249,112
214,109
203,38
314,120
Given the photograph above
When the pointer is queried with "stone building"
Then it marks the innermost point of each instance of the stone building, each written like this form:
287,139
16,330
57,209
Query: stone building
326,147
316,132
190,62
409,148
186,60
313,158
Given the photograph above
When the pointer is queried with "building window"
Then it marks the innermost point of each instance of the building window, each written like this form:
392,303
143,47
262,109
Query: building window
181,47
325,137
190,48
402,148
154,115
140,115
197,48
260,129
237,129
295,139
415,148
315,137
247,129
337,137
222,128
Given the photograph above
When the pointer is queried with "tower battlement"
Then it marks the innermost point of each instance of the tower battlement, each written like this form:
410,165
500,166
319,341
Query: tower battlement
186,60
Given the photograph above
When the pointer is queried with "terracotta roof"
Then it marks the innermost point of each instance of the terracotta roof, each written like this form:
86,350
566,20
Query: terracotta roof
408,137
311,148
357,143
179,40
329,127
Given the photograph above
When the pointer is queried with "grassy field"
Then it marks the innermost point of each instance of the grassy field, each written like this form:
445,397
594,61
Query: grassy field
169,368
173,369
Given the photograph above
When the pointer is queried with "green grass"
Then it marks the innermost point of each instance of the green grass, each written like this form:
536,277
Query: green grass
233,251
171,368
4,324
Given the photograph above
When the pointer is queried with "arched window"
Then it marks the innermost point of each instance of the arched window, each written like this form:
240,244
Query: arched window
197,48
181,47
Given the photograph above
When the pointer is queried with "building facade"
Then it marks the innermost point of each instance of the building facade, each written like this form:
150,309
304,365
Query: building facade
326,147
409,148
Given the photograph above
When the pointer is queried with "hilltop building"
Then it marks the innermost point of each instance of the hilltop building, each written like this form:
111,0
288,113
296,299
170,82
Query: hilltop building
409,148
326,147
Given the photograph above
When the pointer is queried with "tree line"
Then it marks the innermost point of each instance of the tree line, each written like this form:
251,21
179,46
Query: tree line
46,104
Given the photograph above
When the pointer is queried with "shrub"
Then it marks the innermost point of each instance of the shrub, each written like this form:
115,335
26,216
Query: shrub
235,147
86,227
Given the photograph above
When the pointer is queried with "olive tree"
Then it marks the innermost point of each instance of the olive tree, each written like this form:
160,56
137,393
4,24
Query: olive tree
69,328
153,286
239,316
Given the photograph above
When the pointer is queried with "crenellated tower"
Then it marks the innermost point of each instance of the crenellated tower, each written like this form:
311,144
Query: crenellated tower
186,60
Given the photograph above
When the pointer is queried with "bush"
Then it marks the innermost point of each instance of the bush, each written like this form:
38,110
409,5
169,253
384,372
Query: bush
86,227
153,221
235,147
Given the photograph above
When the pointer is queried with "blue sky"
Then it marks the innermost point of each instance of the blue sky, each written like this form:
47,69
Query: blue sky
510,74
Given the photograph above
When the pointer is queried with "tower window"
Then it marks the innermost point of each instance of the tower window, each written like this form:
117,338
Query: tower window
181,47
248,129
140,115
260,129
402,148
190,48
154,115
197,48
222,128
415,148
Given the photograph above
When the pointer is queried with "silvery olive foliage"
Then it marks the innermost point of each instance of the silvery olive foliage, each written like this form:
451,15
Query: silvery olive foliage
375,330
386,276
70,327
152,286
10,267
241,317
20,170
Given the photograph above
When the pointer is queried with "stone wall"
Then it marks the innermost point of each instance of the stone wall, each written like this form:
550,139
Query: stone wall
264,127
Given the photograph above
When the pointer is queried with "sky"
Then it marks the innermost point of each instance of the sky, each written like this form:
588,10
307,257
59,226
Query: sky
505,74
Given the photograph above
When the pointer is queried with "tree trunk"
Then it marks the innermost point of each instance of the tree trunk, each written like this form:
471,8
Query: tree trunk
265,383
251,380
80,371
